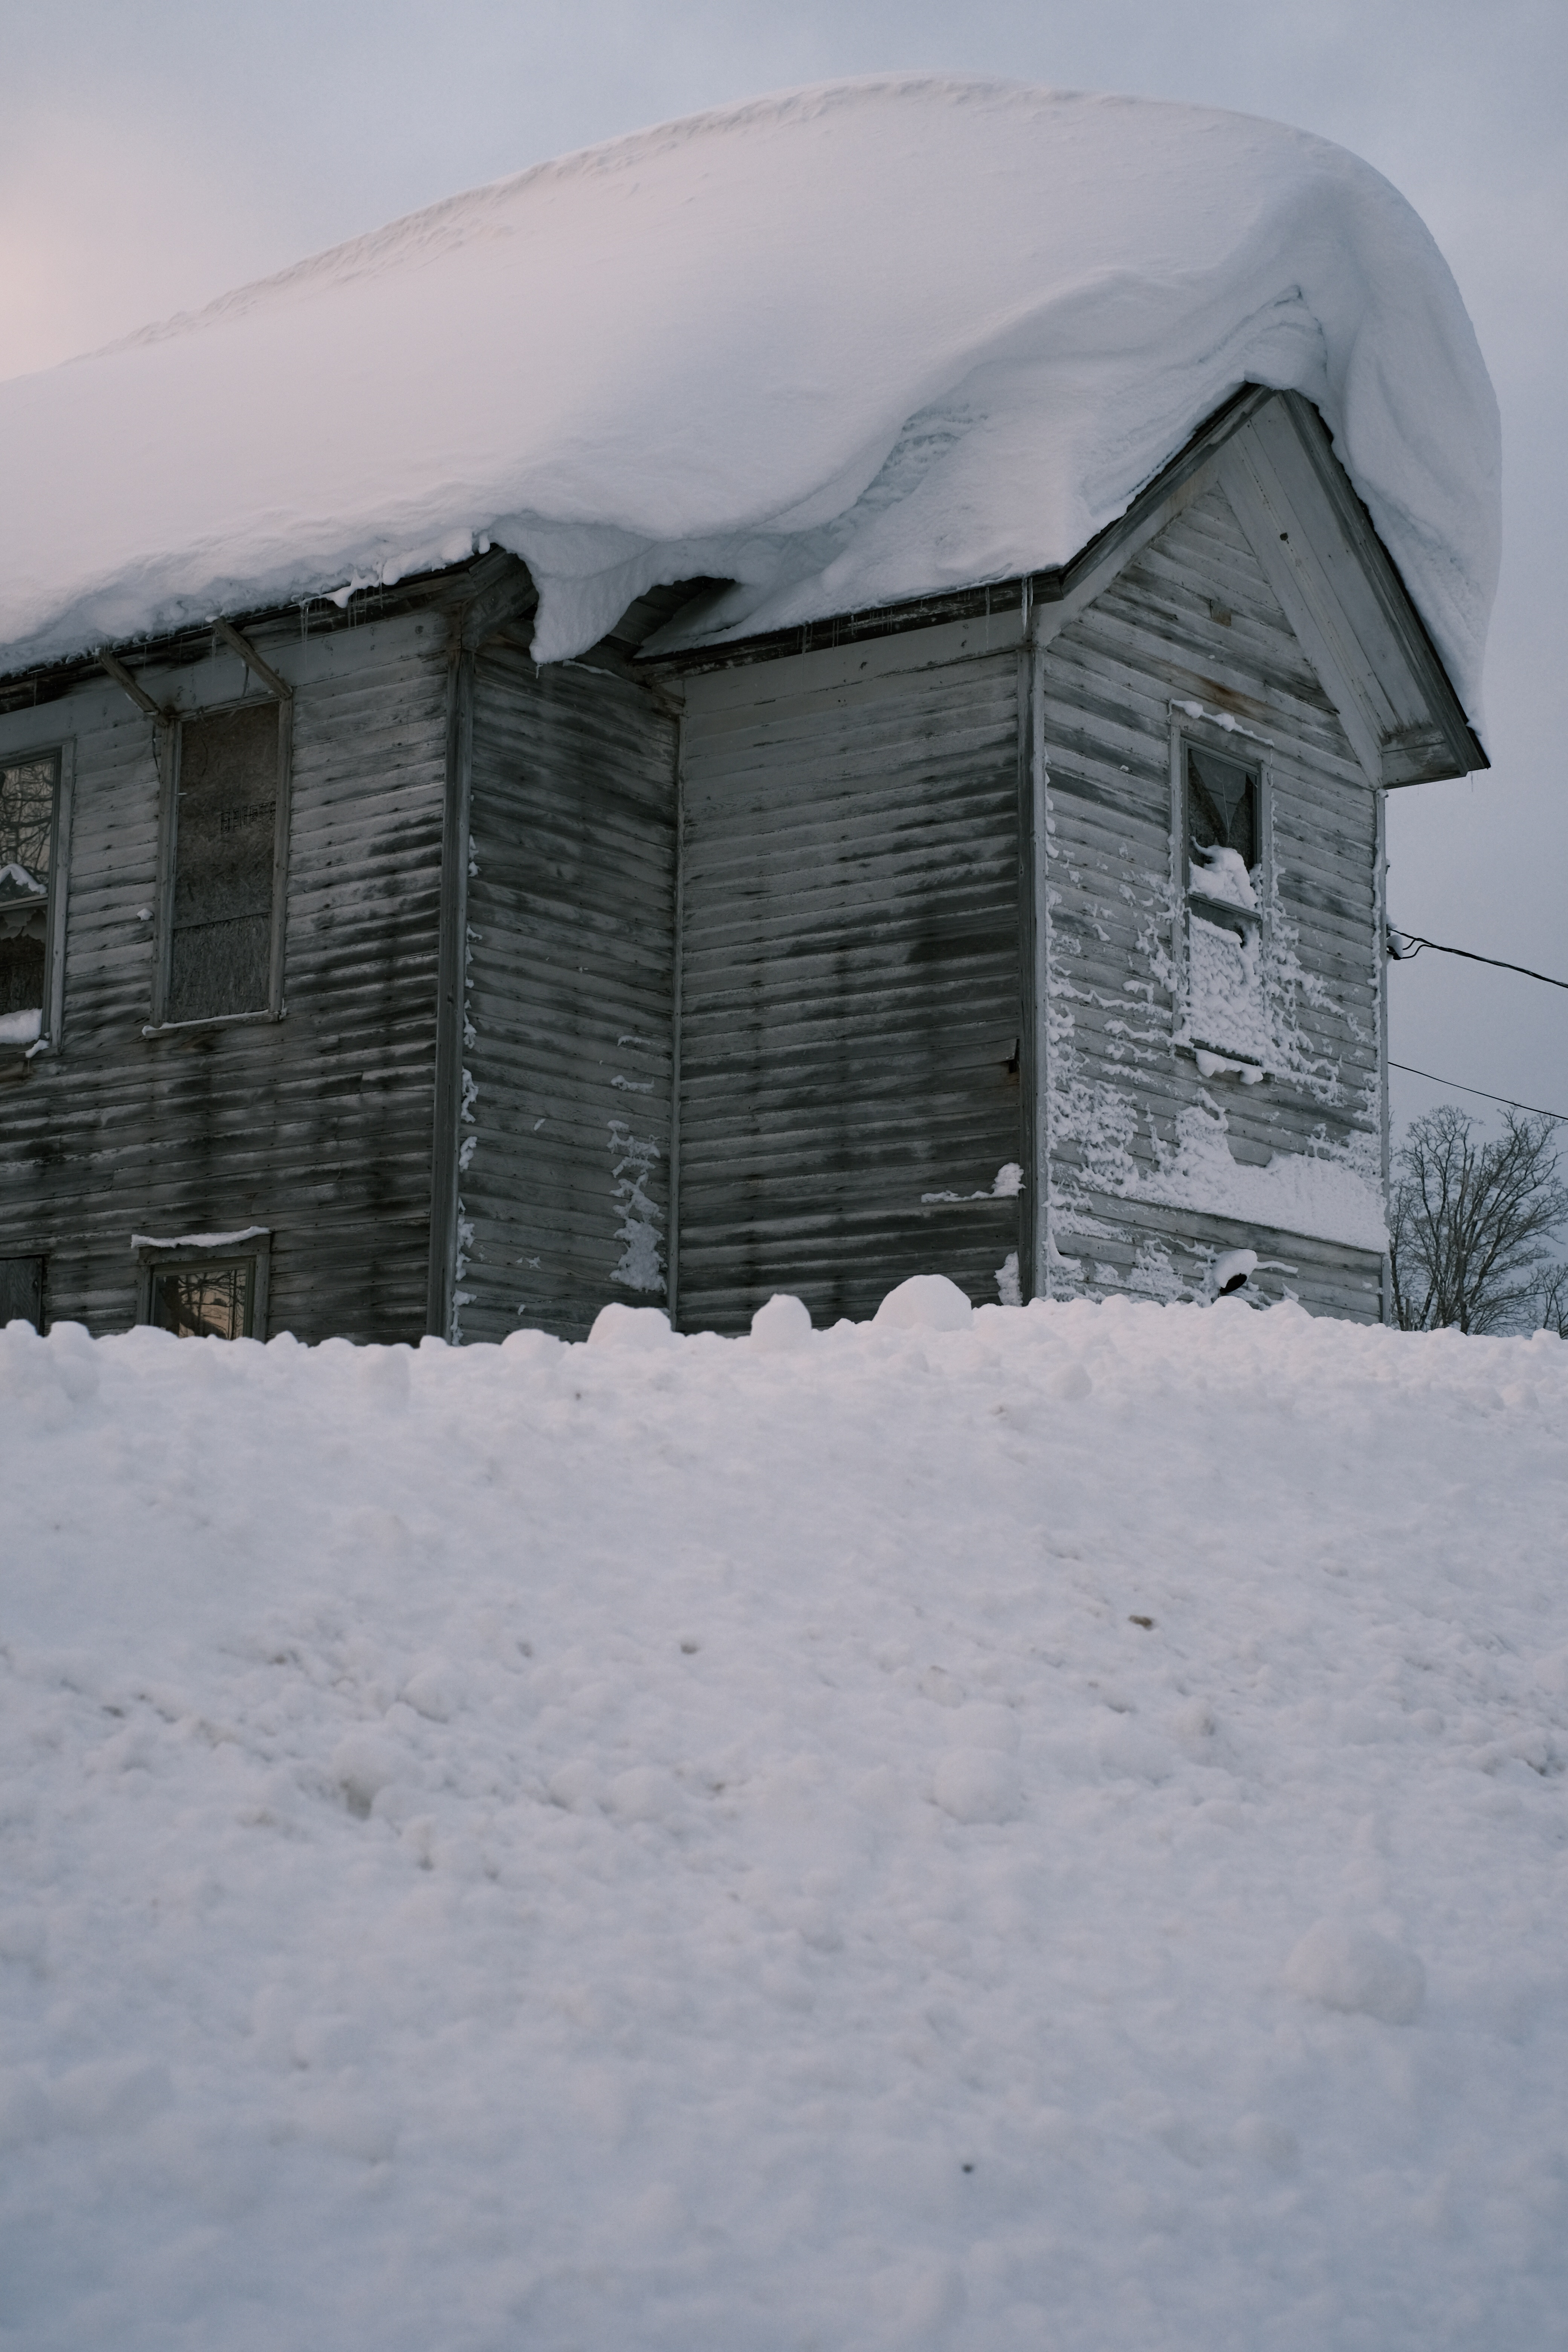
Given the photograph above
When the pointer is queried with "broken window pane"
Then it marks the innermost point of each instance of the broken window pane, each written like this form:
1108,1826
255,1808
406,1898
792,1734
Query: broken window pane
1222,816
26,849
220,942
204,1301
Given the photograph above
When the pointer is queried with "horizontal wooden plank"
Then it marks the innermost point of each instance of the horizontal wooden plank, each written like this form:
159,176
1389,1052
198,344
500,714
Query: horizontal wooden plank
851,990
317,1126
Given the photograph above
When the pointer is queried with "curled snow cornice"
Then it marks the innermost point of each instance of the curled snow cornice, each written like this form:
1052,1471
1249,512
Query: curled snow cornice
842,346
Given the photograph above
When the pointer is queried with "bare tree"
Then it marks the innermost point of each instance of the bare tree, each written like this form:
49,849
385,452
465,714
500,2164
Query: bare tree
1551,1310
1470,1222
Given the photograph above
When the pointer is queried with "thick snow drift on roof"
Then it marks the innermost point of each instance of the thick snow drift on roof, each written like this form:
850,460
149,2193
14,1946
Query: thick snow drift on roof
844,345
1050,1833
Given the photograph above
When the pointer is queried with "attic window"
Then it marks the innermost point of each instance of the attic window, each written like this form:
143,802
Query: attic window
220,937
28,792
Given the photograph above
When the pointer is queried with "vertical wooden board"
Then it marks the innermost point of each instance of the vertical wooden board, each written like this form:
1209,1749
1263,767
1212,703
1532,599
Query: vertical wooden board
565,1125
316,1126
1194,621
852,989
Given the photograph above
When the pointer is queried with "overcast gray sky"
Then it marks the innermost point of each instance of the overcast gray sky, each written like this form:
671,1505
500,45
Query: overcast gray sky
154,151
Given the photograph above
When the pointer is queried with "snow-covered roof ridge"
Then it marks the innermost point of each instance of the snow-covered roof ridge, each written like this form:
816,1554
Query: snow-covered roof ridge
843,345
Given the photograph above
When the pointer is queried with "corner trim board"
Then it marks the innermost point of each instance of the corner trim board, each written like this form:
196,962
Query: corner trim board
1040,888
452,941
1032,1009
672,1241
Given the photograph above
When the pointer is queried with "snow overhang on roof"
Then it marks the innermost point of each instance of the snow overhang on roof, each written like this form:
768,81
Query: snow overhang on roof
843,346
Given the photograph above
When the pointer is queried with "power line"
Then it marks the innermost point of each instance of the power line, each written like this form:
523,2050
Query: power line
1410,946
1533,1108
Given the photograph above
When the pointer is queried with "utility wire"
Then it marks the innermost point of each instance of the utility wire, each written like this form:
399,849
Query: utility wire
1411,944
1534,1108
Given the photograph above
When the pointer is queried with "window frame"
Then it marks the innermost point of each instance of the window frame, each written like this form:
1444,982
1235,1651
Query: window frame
62,750
1241,750
252,1246
169,734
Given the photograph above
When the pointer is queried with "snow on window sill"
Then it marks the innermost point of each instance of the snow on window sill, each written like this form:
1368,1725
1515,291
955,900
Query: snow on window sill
210,1021
22,1029
1214,1064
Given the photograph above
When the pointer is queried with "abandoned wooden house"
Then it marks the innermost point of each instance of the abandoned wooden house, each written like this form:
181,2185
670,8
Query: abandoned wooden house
454,993
360,975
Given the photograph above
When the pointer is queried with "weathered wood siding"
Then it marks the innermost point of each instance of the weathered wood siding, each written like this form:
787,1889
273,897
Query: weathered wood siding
564,1129
851,1007
1193,620
317,1126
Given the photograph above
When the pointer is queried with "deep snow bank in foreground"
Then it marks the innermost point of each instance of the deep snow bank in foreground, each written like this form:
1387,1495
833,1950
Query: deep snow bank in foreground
842,345
1047,1834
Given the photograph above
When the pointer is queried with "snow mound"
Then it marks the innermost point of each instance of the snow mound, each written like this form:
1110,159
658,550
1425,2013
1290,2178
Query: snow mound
781,1325
620,1326
1349,1966
844,345
560,1845
926,1302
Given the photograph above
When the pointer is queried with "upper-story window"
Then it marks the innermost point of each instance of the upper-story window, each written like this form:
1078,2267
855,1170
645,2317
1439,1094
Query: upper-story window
1223,833
1221,821
29,797
223,939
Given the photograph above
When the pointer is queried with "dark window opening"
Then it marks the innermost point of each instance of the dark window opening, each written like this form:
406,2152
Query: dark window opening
22,1291
209,1300
1222,815
27,794
220,931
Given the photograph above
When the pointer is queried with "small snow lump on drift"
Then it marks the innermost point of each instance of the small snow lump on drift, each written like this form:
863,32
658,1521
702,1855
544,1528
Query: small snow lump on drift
845,345
926,1302
642,1327
1343,1966
781,1325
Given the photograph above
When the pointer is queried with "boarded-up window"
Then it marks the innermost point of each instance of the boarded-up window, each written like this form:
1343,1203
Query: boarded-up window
205,1301
27,794
220,931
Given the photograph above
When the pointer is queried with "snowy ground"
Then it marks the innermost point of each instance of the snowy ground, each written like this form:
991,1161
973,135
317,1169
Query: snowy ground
1052,1835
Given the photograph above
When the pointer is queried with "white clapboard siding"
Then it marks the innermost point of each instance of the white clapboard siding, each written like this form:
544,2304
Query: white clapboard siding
317,1126
565,1197
851,984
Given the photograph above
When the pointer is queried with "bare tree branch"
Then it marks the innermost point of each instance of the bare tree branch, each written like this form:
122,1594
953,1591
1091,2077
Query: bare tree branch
1469,1222
1554,1302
